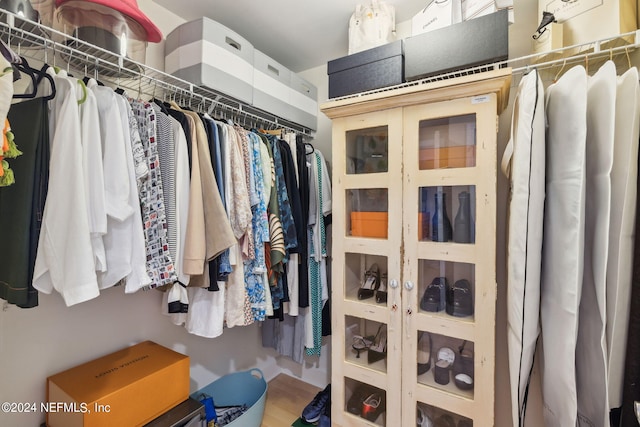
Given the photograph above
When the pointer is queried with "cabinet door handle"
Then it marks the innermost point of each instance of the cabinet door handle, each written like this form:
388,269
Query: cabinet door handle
393,284
408,285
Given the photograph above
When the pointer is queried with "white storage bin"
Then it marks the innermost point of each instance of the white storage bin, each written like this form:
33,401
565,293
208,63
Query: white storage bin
304,102
209,54
271,90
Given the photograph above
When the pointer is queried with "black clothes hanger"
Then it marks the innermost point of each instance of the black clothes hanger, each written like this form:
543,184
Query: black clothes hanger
36,77
162,105
307,145
547,18
86,79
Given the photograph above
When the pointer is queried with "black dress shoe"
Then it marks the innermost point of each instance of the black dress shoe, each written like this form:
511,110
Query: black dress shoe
360,393
381,293
460,299
378,350
373,406
370,283
463,370
424,352
433,298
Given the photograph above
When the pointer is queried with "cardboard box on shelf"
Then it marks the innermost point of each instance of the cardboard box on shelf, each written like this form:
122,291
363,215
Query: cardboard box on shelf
459,156
369,224
127,388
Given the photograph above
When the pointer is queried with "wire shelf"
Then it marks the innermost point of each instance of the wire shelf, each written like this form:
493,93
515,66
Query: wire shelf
594,51
36,41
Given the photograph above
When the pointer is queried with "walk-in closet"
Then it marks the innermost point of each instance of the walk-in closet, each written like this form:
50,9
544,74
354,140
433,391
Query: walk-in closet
381,213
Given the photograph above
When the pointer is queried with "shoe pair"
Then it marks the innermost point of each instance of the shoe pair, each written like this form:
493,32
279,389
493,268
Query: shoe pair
319,408
376,346
422,418
457,299
374,284
371,282
359,395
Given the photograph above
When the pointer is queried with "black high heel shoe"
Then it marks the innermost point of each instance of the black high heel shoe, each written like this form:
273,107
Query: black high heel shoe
381,293
424,352
361,344
370,283
378,350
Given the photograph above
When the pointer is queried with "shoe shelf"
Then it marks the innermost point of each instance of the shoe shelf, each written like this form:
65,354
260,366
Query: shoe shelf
414,221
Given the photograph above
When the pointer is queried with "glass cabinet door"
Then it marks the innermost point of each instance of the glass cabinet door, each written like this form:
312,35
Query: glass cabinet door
367,238
449,262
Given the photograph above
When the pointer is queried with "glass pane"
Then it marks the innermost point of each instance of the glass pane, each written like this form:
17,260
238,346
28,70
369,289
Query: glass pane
368,150
448,142
427,415
446,363
447,214
365,401
365,278
447,288
367,212
366,343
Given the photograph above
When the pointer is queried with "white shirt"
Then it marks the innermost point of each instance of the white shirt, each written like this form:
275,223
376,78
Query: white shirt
64,260
117,243
93,172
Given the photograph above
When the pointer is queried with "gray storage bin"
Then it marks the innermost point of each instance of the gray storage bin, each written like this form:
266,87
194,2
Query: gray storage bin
271,90
304,102
209,54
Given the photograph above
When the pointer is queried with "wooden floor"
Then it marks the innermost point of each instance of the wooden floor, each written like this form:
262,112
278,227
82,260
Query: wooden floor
286,398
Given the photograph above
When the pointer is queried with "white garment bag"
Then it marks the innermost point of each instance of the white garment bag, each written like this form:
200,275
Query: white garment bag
621,232
523,163
563,244
591,354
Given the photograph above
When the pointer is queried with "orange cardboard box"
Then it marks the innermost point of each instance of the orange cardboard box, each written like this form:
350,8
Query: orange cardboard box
458,156
127,388
369,224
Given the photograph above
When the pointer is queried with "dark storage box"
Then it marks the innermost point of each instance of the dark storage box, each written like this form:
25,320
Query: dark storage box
472,43
189,413
370,69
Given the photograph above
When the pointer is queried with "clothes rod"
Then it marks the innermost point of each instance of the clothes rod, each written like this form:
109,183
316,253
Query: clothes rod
36,41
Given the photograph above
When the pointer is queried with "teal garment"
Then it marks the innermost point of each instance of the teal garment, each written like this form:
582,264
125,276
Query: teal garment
22,204
315,278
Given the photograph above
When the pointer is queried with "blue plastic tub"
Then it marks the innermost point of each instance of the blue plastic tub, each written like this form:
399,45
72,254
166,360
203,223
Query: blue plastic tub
247,387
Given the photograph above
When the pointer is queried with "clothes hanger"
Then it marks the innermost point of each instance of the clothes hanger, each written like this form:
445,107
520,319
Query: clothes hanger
36,77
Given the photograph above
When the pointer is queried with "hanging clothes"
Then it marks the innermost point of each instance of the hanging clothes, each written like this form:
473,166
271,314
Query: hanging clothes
317,253
563,255
623,198
591,351
523,163
22,204
160,266
64,259
93,172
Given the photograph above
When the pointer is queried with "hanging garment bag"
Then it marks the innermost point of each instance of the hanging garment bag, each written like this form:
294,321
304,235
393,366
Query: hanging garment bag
523,163
563,244
591,355
623,201
371,25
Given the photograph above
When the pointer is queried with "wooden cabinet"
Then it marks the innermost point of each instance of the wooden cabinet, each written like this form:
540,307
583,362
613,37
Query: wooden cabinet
414,244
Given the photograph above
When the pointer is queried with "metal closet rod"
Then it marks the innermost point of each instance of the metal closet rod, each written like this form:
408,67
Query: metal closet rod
124,72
